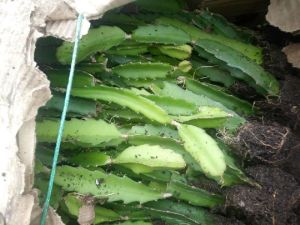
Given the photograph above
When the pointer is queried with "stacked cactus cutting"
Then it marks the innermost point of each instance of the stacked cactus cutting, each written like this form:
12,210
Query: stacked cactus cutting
150,115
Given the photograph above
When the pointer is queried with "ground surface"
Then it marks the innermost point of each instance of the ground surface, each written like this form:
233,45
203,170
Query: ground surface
270,146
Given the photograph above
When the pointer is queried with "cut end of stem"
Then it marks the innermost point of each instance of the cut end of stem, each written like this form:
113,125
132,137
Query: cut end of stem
175,123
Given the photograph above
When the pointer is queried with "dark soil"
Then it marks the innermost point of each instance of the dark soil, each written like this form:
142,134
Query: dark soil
274,136
272,204
220,220
286,109
270,147
290,101
272,144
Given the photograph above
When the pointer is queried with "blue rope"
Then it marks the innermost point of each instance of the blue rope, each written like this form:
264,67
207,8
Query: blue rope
62,122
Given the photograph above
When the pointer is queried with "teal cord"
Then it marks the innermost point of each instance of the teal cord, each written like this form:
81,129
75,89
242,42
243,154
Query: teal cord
62,122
